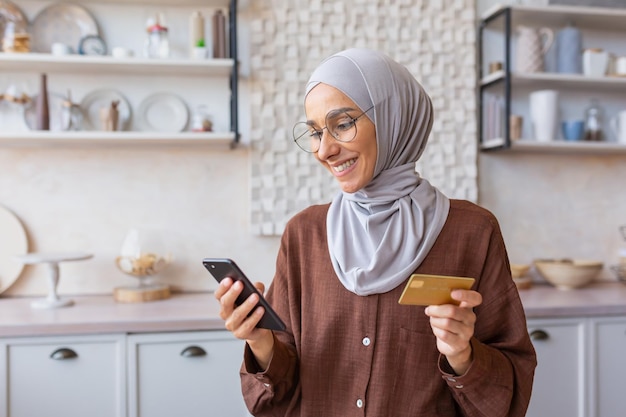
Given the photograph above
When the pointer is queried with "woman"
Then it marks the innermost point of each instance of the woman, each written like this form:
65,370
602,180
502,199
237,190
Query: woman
350,348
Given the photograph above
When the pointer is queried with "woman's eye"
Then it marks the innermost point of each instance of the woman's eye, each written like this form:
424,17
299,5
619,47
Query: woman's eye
344,125
316,134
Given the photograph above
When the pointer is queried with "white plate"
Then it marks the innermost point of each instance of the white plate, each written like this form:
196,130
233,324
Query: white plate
55,106
13,243
94,101
61,22
163,112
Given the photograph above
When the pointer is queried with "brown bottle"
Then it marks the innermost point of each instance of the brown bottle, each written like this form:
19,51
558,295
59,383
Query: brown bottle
219,34
42,107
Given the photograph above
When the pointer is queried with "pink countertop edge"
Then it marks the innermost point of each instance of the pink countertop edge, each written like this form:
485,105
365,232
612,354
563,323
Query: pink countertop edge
99,314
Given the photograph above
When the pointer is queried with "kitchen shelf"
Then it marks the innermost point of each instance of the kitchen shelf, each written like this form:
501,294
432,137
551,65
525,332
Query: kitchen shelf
203,3
505,92
603,18
557,147
556,80
102,139
81,64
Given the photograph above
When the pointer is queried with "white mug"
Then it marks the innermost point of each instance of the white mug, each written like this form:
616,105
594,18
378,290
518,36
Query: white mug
618,125
544,109
620,65
59,48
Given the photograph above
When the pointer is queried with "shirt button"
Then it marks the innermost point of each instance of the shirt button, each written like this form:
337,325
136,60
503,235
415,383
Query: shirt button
359,403
366,341
451,379
459,386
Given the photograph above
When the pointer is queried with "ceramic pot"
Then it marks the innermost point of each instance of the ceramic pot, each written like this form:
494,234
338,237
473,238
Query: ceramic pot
595,62
532,44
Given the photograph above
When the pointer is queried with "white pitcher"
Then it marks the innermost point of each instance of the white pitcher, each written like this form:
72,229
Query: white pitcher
532,44
618,126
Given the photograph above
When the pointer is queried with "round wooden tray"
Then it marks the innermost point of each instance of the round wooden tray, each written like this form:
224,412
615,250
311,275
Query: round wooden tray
141,294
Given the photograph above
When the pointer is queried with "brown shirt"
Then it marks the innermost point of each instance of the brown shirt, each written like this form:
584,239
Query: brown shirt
348,355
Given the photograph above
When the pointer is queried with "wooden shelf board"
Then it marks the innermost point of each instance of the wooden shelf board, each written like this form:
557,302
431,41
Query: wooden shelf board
38,62
99,139
557,146
205,3
602,18
556,80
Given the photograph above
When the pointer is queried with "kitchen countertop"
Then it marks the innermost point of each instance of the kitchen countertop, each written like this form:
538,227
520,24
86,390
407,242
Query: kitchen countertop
199,311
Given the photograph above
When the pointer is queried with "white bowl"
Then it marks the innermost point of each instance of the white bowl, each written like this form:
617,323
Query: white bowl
567,274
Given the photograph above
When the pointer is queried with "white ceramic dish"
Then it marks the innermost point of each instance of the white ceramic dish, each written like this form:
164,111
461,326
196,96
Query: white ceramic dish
13,243
55,106
163,112
61,23
94,101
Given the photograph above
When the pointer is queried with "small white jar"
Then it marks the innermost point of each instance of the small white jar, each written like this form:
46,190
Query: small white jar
595,62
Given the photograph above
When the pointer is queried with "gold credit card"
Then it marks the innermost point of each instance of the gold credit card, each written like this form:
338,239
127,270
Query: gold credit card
426,290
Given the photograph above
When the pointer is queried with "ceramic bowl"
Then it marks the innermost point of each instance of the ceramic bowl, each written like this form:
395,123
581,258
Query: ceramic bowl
519,270
567,274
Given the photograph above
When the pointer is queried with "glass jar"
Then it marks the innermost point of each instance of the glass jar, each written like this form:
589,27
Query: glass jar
201,120
157,44
594,121
15,38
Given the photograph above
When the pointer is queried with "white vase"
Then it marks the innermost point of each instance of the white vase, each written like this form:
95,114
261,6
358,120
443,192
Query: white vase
544,109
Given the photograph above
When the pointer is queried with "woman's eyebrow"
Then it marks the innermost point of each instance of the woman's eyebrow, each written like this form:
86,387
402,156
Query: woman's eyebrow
332,113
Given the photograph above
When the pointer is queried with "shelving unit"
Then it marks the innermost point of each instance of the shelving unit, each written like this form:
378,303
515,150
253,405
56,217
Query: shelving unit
503,20
135,66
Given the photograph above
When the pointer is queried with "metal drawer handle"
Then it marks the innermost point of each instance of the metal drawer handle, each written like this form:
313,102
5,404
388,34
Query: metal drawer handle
63,353
539,335
193,351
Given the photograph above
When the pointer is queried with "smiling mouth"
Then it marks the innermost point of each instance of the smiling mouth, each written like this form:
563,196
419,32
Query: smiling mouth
345,165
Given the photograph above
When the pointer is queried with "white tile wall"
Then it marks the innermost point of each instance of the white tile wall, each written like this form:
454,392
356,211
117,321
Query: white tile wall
434,39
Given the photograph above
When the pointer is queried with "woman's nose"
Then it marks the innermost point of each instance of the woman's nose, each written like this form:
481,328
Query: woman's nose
328,145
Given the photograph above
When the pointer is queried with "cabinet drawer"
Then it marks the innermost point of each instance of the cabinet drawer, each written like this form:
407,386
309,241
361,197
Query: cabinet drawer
558,388
610,345
187,374
78,376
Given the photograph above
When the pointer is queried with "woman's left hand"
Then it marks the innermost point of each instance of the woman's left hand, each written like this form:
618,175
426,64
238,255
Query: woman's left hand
453,326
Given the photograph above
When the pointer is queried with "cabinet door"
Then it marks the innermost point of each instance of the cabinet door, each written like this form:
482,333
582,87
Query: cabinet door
610,367
66,376
185,374
559,386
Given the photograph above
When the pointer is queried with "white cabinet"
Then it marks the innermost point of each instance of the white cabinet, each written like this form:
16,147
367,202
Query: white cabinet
136,375
580,366
609,367
559,386
506,92
62,376
187,374
208,82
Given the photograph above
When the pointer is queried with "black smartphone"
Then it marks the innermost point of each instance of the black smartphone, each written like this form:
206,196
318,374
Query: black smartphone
222,268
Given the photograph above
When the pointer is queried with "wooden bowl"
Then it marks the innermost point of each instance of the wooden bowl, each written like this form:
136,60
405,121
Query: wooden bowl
567,274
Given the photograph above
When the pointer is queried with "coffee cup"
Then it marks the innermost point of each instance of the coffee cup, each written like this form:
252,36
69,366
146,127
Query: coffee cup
59,48
573,129
121,52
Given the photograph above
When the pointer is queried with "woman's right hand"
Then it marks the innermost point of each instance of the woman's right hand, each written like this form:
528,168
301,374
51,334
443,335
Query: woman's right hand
242,326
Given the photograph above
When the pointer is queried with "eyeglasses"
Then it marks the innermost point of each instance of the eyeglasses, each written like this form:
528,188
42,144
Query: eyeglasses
339,123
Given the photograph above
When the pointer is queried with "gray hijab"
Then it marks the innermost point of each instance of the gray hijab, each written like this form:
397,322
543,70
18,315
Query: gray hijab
380,234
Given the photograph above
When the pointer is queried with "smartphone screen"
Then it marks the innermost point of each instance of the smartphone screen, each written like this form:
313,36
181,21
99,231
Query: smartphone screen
222,268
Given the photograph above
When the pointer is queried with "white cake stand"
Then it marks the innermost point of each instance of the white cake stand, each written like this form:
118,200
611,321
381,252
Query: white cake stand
52,260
